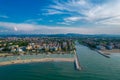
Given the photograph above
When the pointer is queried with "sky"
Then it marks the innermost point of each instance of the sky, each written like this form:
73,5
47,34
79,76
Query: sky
59,16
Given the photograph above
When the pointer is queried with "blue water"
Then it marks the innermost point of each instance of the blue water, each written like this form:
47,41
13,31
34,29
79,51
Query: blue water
94,67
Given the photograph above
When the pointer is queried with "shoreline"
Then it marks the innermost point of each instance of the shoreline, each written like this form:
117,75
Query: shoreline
37,60
108,52
11,54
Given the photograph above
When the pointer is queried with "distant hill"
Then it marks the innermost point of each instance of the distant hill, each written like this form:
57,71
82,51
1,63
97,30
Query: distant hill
59,35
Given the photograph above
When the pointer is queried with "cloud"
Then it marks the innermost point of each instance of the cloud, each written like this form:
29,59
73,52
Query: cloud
69,20
72,19
17,27
26,28
115,21
86,10
63,23
52,12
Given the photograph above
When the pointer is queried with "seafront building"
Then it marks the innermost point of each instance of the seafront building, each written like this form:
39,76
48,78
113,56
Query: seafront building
36,45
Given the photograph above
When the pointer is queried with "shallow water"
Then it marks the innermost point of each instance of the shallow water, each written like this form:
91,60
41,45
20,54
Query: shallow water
39,56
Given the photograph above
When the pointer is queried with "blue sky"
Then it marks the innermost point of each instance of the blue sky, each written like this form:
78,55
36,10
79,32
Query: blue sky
59,16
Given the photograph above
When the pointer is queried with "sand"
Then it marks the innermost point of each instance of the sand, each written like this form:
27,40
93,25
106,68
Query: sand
111,51
36,60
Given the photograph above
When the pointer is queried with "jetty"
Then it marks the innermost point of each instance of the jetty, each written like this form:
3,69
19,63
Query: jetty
100,52
76,62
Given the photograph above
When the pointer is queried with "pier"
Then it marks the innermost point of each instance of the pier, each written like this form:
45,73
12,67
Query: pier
100,52
76,62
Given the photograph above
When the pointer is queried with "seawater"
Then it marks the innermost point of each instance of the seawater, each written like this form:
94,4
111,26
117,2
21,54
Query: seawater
94,67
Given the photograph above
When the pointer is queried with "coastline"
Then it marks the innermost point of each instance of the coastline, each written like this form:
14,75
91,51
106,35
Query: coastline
36,60
110,51
100,52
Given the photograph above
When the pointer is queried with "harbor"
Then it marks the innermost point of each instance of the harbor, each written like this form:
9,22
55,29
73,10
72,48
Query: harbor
92,63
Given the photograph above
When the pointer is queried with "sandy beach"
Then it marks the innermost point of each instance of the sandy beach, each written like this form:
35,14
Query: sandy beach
111,51
36,60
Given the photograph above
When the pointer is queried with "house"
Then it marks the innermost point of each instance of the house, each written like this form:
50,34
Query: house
13,50
1,49
28,47
19,50
110,47
56,48
99,47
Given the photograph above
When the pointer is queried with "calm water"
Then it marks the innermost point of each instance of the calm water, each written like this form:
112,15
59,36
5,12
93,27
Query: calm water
95,67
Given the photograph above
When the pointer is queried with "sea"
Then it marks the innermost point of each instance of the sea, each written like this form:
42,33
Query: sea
94,67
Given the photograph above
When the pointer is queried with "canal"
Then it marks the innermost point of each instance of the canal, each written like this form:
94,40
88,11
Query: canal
96,65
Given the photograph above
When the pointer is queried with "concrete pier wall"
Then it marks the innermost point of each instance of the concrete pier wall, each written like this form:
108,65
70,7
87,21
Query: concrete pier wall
77,63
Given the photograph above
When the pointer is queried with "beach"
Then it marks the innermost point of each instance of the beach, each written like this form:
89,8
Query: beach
111,51
35,58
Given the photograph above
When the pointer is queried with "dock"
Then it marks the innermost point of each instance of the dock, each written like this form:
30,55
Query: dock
76,62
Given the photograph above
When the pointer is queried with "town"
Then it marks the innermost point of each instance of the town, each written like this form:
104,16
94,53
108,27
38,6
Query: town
10,46
35,45
103,44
